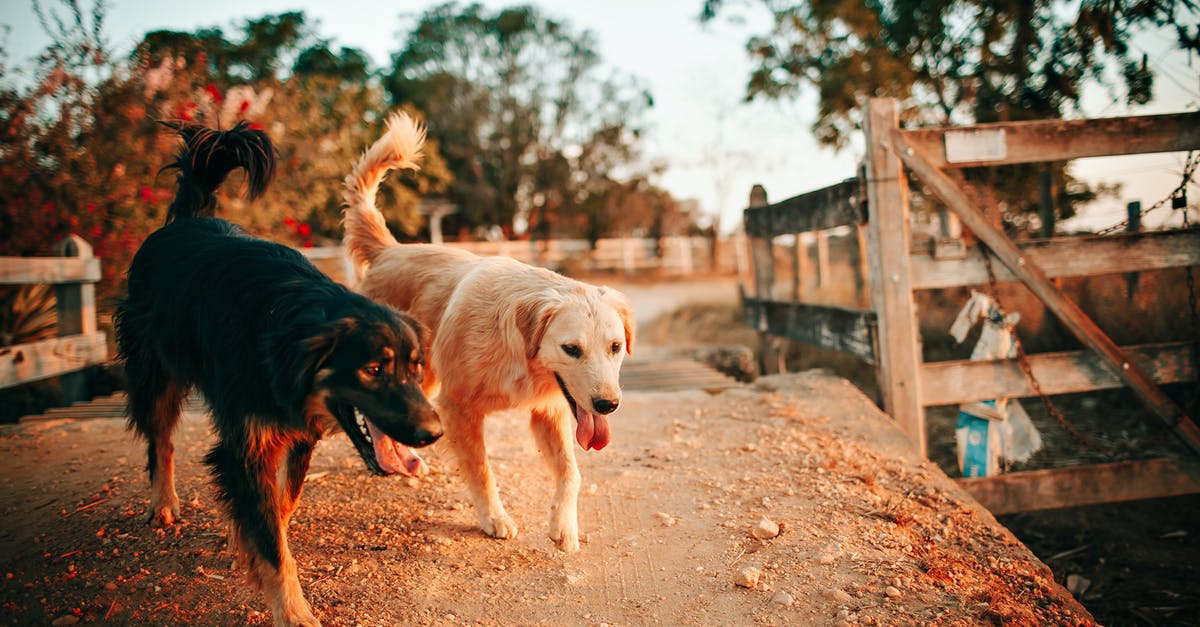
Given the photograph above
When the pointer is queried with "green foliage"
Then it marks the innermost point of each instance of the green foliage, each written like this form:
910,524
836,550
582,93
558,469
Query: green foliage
957,62
529,125
526,119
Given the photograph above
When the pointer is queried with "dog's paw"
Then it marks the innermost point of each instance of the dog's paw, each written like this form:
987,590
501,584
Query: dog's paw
501,526
304,619
567,540
163,515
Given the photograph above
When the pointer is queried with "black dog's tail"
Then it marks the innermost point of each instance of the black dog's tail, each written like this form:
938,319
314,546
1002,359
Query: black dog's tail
208,156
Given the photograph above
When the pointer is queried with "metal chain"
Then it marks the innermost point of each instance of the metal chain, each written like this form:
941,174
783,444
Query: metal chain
1023,363
1189,168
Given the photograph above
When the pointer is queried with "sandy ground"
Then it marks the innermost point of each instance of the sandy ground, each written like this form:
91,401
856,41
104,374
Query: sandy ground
867,534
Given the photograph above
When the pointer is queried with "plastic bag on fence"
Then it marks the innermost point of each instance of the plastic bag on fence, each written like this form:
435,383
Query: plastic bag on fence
989,433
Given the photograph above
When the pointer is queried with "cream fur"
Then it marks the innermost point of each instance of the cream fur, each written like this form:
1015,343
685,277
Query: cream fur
500,333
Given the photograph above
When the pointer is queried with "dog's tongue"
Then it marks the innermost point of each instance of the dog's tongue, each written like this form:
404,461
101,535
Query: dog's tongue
393,457
591,430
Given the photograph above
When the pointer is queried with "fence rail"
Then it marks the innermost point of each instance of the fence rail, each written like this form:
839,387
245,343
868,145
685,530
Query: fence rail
671,256
79,343
888,335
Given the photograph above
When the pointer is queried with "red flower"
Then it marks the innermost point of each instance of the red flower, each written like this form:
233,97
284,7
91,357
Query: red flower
145,193
289,222
303,229
96,232
244,107
91,207
213,93
255,126
308,243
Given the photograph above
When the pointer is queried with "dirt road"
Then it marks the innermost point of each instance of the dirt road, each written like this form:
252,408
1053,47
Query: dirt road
868,535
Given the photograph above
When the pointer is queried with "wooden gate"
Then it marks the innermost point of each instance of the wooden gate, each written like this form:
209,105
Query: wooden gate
895,271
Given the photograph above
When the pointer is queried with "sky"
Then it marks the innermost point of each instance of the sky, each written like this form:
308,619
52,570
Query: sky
715,145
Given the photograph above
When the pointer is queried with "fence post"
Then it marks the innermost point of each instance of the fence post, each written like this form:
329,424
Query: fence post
1046,211
797,248
1134,212
898,344
823,268
769,354
858,258
76,308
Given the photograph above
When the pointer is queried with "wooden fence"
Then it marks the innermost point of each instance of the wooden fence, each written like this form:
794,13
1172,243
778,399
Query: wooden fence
887,334
79,343
668,256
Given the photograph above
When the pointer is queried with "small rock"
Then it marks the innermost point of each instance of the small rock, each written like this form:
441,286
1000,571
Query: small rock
748,577
667,519
893,592
828,555
837,595
110,586
66,619
765,529
783,598
1078,584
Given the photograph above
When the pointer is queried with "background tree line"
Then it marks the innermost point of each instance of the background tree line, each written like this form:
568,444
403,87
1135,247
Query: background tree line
954,62
529,132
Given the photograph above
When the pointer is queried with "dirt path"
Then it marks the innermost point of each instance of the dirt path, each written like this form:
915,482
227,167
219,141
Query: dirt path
868,536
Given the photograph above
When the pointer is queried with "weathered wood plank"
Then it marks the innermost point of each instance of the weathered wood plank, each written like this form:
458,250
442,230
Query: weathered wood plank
1062,140
24,363
1068,257
840,204
1072,317
51,270
888,233
835,328
770,353
950,382
75,305
1080,485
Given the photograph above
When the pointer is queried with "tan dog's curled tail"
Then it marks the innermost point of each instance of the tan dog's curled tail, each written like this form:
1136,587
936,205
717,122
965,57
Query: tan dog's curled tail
366,230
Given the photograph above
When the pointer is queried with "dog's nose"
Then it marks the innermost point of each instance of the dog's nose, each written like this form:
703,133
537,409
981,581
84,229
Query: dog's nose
425,437
605,406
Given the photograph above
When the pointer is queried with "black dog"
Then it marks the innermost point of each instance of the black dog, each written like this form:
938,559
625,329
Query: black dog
281,353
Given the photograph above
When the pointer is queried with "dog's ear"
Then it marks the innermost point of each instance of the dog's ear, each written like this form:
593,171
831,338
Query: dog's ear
624,309
295,371
533,316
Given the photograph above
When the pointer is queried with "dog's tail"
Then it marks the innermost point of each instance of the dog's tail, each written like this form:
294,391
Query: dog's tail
208,156
366,230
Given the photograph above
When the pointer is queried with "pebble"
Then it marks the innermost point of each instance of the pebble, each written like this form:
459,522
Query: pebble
783,598
667,519
892,591
765,529
748,577
837,595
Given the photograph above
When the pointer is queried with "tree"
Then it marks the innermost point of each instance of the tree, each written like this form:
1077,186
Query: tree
958,62
528,122
81,150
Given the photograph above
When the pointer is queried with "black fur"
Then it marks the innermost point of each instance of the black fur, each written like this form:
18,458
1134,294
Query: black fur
275,346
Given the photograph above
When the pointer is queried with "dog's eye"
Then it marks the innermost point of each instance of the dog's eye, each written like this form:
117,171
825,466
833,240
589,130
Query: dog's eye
616,347
372,370
572,350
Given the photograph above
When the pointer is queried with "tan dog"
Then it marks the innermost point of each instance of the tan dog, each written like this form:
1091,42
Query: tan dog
505,335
